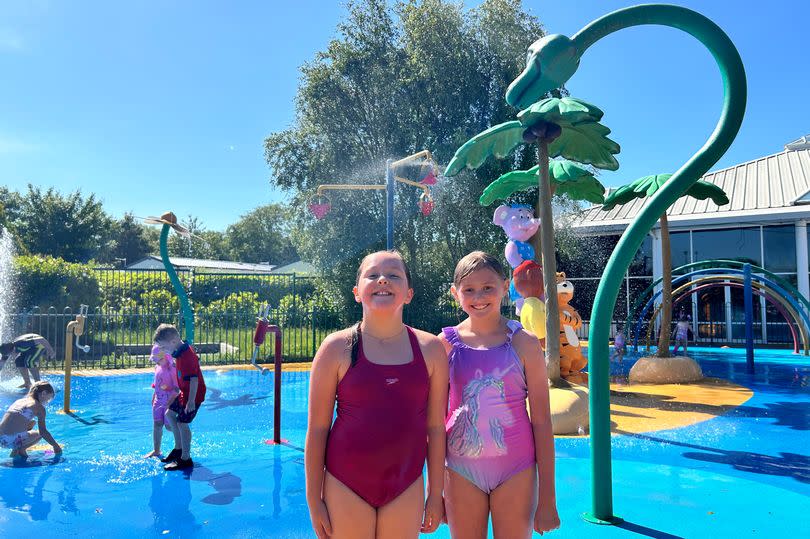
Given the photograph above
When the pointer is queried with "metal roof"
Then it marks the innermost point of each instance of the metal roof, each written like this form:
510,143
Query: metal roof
769,188
201,263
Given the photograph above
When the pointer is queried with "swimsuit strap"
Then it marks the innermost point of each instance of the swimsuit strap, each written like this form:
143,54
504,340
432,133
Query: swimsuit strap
452,337
512,327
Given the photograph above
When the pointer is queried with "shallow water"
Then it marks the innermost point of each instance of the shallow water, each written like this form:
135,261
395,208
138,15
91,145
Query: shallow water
745,473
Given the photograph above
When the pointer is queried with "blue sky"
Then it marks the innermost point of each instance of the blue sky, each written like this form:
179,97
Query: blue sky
164,105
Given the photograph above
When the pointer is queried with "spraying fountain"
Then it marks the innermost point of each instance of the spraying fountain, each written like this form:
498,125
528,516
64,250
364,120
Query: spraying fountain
7,288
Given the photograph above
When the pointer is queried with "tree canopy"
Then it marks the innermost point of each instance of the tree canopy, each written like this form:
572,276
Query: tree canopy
421,76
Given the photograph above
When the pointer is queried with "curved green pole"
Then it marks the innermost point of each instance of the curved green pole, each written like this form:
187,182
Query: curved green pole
188,314
719,264
733,75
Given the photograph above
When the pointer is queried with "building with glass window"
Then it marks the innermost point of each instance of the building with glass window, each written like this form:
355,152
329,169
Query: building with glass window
765,223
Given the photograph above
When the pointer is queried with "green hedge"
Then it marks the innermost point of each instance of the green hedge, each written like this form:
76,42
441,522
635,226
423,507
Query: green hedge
44,281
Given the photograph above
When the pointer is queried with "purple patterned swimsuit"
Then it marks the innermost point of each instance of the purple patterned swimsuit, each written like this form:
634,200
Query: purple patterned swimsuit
489,435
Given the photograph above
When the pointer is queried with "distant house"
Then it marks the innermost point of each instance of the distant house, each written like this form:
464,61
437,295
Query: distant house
300,267
153,262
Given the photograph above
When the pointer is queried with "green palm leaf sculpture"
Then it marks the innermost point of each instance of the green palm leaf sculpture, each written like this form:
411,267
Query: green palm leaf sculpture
647,186
566,178
564,127
498,141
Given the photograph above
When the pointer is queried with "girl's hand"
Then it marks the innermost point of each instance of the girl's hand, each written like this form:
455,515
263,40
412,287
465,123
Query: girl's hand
546,520
57,450
319,516
434,513
190,406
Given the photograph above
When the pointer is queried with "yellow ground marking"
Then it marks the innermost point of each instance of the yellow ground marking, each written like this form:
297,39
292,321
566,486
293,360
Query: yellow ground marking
647,407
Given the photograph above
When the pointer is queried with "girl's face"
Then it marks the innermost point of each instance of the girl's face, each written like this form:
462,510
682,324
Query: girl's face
45,397
480,293
382,283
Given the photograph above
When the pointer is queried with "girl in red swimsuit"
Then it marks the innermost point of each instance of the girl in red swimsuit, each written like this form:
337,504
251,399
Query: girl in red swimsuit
389,381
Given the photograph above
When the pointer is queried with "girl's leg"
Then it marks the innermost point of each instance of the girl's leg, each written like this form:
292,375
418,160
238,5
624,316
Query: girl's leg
467,507
32,437
351,517
171,417
157,436
34,372
513,505
401,518
26,378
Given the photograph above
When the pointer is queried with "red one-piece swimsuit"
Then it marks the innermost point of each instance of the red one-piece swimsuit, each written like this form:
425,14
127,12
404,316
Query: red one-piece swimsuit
378,443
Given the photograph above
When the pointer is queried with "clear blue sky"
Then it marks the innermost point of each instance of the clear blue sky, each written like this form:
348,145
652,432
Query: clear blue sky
164,105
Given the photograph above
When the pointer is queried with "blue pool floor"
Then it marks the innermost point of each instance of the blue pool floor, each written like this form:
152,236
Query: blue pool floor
745,473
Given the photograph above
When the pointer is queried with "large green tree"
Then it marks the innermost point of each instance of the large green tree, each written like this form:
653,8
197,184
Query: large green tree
202,243
262,235
395,81
73,227
131,241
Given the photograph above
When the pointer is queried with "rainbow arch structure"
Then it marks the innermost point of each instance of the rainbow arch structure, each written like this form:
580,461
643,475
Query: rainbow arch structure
754,280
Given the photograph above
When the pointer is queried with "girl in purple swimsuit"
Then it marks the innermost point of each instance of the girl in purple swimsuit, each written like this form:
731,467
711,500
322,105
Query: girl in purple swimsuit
166,390
493,448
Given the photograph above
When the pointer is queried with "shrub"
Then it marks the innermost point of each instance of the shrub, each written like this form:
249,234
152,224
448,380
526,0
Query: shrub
44,281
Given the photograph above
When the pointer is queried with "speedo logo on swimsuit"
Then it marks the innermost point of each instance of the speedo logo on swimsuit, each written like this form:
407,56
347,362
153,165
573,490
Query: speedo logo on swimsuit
391,381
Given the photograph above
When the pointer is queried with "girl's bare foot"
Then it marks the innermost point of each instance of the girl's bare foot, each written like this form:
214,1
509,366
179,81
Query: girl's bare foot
153,453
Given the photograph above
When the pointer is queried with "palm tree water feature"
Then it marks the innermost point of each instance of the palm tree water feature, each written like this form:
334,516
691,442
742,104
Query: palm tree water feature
552,61
664,368
565,127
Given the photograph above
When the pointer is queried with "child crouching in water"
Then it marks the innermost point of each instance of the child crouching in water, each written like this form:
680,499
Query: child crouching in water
166,391
184,408
364,471
493,448
16,428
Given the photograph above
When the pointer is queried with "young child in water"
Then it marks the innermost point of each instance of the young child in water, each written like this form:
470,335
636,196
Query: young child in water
16,427
166,390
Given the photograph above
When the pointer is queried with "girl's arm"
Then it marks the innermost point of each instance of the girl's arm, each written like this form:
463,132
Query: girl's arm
322,393
436,359
528,349
43,430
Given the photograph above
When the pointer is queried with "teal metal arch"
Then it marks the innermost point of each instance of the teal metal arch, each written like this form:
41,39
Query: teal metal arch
725,265
775,286
768,297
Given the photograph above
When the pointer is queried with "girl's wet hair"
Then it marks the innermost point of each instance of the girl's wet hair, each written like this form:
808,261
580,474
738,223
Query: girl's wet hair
38,388
389,251
475,261
354,337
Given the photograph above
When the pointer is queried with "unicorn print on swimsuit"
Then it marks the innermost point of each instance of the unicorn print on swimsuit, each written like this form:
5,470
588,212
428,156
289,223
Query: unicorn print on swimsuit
468,426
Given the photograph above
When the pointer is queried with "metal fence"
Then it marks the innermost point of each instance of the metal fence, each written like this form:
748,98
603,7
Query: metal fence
123,340
131,304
